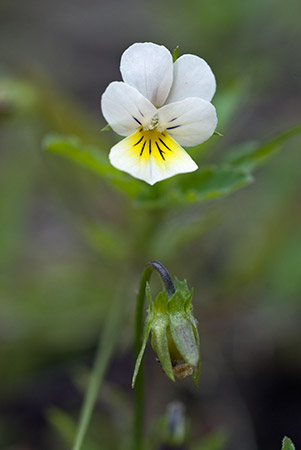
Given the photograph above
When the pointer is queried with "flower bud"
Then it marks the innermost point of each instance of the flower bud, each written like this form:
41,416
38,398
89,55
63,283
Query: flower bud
174,334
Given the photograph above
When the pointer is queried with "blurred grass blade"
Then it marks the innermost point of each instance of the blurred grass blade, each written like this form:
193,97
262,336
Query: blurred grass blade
106,345
252,154
287,444
93,159
65,427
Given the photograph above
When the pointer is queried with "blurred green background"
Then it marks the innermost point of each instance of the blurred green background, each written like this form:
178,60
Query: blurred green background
60,262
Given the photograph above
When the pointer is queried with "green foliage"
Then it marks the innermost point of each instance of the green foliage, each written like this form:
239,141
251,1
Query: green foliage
251,155
91,158
287,444
207,183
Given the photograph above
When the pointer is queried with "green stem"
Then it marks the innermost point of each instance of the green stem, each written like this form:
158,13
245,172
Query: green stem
139,390
139,386
105,348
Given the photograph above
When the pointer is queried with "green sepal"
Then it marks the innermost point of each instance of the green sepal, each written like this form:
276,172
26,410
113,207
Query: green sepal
217,133
197,371
160,303
147,329
107,128
184,338
160,343
182,288
175,54
181,304
148,293
287,444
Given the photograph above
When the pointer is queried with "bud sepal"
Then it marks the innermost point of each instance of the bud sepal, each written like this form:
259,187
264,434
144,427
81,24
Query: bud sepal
174,334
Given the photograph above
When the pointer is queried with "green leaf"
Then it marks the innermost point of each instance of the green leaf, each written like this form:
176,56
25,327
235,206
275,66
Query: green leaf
251,154
93,159
287,444
215,182
205,184
175,54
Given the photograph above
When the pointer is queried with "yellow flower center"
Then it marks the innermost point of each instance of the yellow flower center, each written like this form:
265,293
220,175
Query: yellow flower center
152,143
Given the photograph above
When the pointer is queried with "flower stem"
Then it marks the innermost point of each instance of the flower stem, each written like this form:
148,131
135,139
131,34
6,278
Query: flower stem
164,274
139,387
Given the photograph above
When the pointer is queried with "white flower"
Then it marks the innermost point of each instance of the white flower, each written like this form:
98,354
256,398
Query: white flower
159,107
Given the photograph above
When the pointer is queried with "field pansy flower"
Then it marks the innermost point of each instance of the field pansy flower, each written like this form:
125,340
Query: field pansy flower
159,106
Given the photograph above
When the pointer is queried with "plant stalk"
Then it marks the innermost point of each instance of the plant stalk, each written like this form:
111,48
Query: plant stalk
139,320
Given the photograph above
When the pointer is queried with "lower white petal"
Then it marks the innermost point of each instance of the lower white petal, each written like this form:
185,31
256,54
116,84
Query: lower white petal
190,121
125,109
151,156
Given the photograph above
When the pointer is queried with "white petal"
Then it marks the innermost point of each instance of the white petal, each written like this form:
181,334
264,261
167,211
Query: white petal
125,109
149,68
192,78
151,156
190,121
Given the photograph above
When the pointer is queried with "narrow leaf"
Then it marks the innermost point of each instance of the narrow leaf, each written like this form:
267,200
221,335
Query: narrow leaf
252,154
141,353
93,159
106,345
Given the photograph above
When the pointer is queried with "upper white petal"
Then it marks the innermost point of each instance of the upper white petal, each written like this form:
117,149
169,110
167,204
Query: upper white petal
149,68
125,109
190,121
192,78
